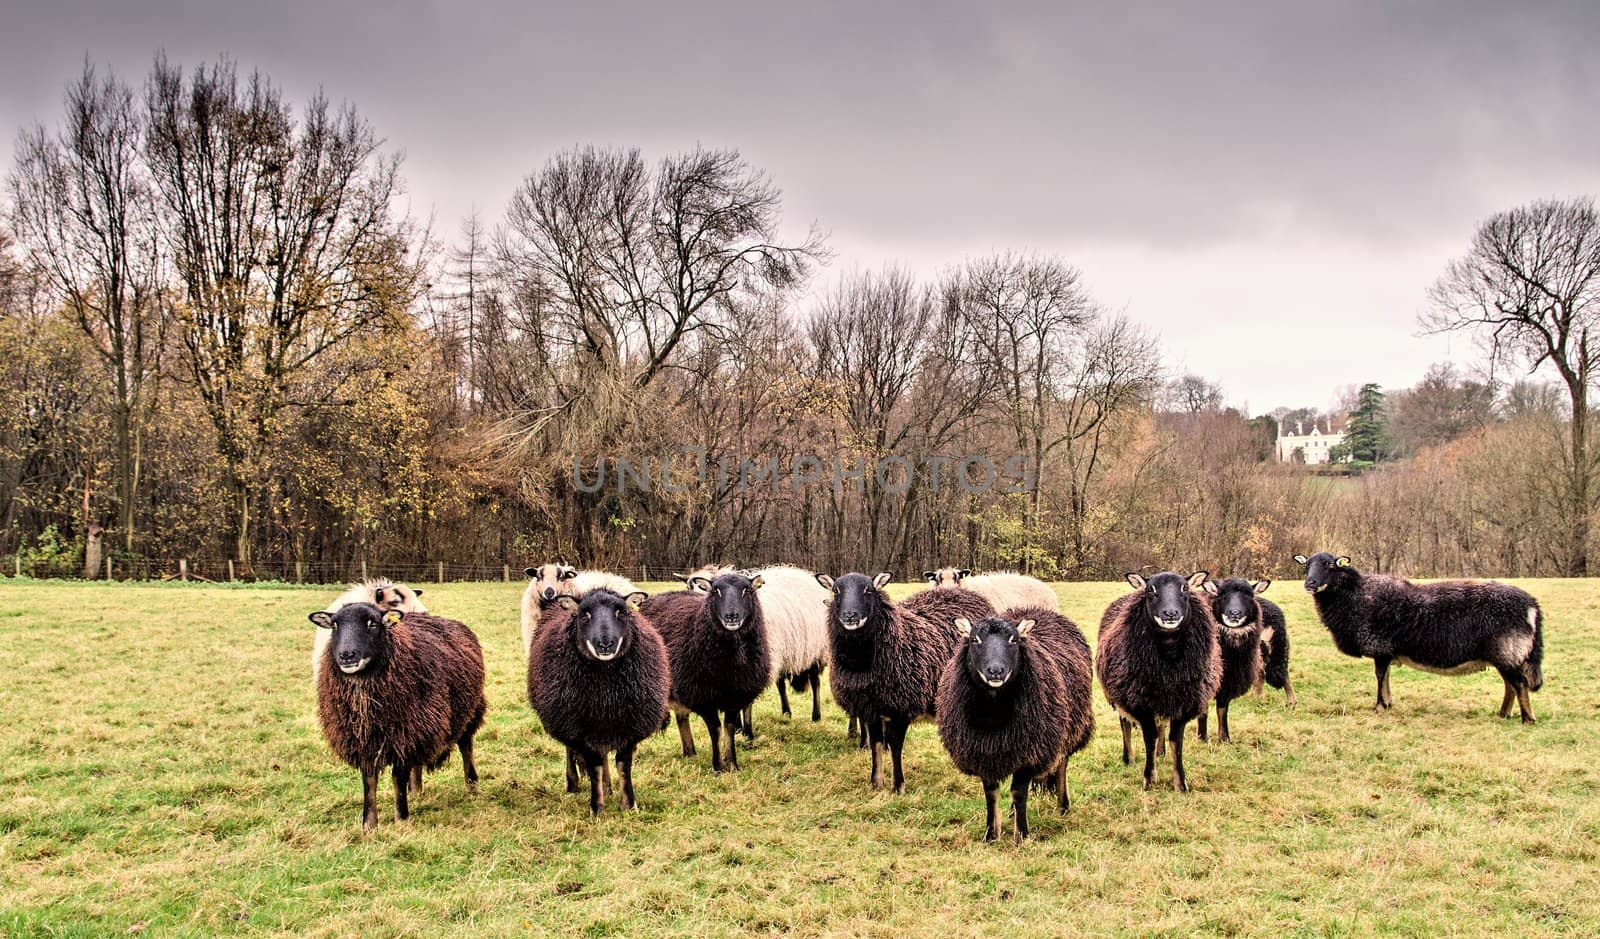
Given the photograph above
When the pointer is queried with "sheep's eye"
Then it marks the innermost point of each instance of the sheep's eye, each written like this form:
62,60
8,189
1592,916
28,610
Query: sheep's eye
372,624
1012,640
977,640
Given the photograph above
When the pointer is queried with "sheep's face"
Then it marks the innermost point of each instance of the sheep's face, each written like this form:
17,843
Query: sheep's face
552,579
1233,601
857,599
397,597
1167,596
945,576
702,576
360,635
993,650
603,624
730,599
1324,570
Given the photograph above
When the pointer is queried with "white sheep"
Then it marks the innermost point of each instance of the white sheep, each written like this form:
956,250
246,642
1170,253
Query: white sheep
1003,589
548,581
382,593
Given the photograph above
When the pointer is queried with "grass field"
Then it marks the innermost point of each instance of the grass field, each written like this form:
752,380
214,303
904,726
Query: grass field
163,772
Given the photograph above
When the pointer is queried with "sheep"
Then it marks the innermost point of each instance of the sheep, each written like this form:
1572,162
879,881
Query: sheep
548,581
1016,700
717,650
1001,588
398,690
1236,607
598,679
1274,629
1158,662
382,593
885,658
1453,627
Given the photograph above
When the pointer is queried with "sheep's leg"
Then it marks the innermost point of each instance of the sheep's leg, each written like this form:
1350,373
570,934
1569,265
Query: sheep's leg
625,772
369,800
1161,742
1255,689
816,694
1505,703
991,798
749,723
468,767
416,779
1222,723
402,782
685,734
733,732
1380,668
895,731
1201,723
1288,691
1127,735
1019,804
605,775
851,730
874,729
572,770
860,732
783,697
1179,781
1147,725
595,763
714,729
1064,800
1525,704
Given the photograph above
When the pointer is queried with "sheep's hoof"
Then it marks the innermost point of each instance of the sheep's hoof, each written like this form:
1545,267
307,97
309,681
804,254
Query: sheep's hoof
900,789
1148,783
1529,719
1179,786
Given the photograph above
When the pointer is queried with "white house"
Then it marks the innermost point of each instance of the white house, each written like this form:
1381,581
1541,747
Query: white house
1314,446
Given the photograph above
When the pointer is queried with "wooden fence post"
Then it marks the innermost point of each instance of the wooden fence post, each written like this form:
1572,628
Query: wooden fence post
183,569
300,572
505,573
230,570
108,567
441,572
363,570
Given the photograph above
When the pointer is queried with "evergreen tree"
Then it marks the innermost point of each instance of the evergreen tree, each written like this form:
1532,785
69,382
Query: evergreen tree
1366,437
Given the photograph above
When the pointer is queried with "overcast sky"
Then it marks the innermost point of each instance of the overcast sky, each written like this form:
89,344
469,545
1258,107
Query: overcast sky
1271,188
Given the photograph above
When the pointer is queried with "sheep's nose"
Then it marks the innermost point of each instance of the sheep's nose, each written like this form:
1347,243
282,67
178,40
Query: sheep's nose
1170,614
549,593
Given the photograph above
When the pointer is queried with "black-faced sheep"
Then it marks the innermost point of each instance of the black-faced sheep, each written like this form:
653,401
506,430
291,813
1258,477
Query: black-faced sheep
885,659
1003,589
1158,663
1015,701
598,679
548,581
398,691
717,650
794,608
1453,627
382,593
1237,610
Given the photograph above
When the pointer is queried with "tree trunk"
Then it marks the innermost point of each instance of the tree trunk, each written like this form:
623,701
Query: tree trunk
1578,559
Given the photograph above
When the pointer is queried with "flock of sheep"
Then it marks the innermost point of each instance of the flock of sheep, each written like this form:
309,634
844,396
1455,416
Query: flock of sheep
989,657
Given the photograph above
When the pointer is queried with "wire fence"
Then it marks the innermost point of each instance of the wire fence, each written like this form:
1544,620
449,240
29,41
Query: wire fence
213,570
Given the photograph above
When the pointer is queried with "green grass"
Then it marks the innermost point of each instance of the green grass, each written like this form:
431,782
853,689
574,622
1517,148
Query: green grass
163,773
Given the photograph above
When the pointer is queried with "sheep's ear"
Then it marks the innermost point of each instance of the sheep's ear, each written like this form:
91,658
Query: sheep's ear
566,602
1137,581
756,582
1342,561
964,572
681,577
1024,627
964,624
825,580
532,572
931,577
322,618
1212,588
1261,586
417,592
882,579
1301,559
1198,578
391,617
699,584
637,597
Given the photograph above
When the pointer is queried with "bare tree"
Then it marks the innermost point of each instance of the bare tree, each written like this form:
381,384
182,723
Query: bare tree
81,203
1529,288
283,242
1192,394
